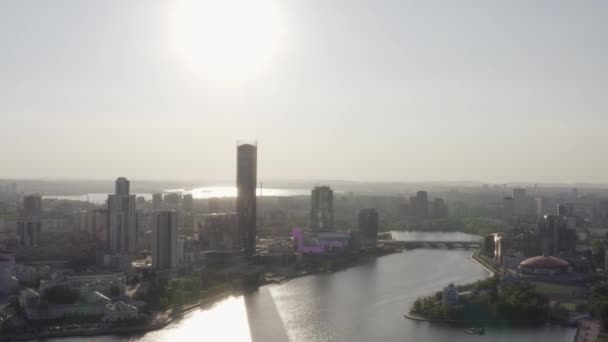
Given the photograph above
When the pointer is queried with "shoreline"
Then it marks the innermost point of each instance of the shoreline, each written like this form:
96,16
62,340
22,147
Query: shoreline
478,260
178,312
417,318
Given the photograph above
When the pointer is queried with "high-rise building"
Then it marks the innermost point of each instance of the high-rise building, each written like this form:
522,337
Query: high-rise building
28,233
322,209
144,228
440,209
93,222
32,207
164,240
507,208
603,213
187,202
368,227
157,201
556,237
122,186
522,203
419,205
246,179
218,231
173,200
565,210
122,219
12,188
29,225
541,206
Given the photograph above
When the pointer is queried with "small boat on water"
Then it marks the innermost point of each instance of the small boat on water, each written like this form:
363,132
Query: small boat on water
475,331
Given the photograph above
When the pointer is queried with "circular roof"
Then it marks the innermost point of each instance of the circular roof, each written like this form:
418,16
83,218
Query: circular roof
549,262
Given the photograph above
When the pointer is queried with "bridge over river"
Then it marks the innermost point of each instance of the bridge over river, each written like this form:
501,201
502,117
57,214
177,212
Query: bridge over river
431,244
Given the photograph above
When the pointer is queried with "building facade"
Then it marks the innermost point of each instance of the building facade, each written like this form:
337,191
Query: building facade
122,219
439,209
322,209
219,231
157,201
368,227
419,205
93,222
29,224
246,201
164,241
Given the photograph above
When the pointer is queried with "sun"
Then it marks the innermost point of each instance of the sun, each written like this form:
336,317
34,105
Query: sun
227,39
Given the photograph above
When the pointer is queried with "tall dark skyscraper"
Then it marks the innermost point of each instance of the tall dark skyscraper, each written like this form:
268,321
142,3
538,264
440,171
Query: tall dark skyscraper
122,221
122,186
164,240
246,179
368,227
29,225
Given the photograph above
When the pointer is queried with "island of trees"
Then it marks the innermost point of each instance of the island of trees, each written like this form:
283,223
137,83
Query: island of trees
487,300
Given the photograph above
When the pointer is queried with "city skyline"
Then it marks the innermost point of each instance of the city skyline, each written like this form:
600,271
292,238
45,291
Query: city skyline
303,170
491,92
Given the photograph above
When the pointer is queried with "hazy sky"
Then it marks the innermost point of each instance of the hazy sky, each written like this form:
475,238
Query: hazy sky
494,91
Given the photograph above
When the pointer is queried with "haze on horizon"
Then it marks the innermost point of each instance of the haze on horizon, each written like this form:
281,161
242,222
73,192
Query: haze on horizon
381,90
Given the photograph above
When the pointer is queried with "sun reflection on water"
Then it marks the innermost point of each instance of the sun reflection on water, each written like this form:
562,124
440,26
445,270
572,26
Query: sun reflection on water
226,321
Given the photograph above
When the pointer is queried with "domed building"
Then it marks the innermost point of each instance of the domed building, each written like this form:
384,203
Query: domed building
543,265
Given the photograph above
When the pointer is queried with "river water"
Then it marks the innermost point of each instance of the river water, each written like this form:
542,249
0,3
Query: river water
433,236
197,193
363,303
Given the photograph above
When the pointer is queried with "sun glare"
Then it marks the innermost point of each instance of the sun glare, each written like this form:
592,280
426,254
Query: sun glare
227,39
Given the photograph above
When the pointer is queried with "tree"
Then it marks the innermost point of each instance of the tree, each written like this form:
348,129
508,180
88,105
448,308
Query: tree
417,307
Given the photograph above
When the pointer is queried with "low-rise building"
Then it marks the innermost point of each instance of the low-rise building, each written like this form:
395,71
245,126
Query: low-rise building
108,284
91,304
450,294
119,311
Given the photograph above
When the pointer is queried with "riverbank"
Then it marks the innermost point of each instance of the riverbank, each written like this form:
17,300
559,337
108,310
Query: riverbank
164,318
485,264
502,322
485,301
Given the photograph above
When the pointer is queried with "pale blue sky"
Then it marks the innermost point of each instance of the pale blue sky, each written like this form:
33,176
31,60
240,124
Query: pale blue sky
494,91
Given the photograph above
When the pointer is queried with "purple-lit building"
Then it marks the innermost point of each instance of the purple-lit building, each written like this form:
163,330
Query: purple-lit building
322,242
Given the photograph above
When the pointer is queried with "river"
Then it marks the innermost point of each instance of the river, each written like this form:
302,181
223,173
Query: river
197,193
363,303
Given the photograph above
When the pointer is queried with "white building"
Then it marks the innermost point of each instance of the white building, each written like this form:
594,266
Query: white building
164,241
